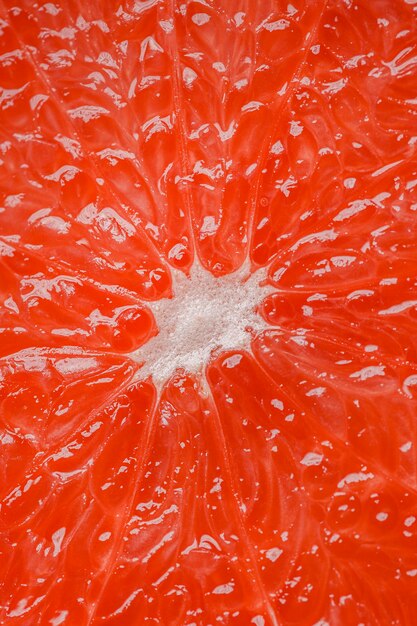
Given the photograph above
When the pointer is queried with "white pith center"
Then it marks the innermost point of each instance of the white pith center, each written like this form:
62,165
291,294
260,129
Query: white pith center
205,314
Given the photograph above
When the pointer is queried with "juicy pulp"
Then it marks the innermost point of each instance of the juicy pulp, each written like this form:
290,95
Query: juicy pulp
276,483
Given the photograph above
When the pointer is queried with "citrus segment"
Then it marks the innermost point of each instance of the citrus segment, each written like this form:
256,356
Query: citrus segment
331,501
89,480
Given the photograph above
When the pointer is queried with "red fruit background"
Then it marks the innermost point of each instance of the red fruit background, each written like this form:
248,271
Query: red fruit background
275,488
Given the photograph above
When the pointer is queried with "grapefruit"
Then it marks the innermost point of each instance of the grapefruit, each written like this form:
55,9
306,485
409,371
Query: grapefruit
208,379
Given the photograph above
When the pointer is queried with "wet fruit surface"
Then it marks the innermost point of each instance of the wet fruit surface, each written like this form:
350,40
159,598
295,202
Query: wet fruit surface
165,167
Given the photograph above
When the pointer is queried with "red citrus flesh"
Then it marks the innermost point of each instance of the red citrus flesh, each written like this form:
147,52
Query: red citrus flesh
275,484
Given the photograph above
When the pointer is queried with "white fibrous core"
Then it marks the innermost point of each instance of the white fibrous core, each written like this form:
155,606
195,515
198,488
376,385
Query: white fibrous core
206,315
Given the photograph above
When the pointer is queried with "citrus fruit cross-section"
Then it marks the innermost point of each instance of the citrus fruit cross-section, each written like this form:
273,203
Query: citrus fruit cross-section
208,312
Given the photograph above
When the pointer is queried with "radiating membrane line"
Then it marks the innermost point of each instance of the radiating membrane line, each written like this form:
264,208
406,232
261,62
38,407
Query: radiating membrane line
269,137
146,440
182,134
238,514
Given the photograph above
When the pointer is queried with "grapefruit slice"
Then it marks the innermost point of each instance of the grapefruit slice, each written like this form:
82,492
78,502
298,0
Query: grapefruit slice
208,289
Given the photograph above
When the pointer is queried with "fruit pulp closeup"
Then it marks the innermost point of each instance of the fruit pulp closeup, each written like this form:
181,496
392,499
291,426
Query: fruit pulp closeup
208,313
